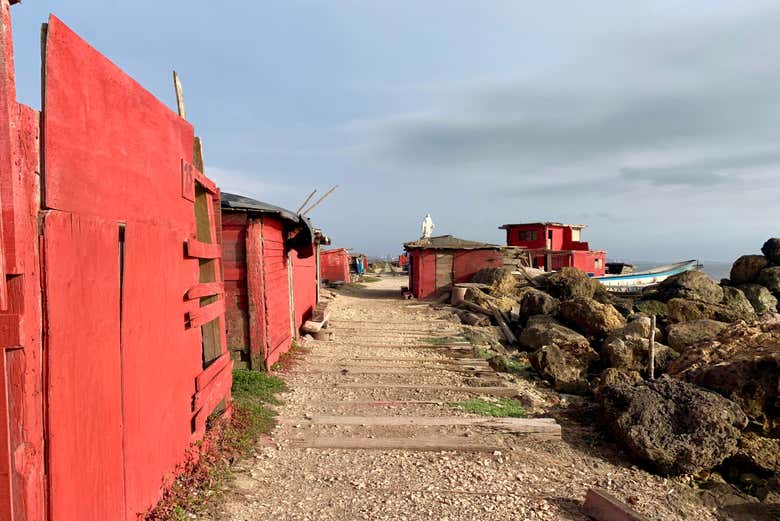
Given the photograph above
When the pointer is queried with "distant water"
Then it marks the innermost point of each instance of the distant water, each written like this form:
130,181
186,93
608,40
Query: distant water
715,269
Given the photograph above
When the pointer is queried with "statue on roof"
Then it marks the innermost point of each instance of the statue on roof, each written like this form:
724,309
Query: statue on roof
427,226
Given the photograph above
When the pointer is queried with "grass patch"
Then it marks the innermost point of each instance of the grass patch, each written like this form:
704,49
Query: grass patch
484,354
200,483
369,278
499,408
288,359
442,340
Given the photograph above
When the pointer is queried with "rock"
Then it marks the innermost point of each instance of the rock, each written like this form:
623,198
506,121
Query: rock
756,454
673,426
624,305
743,364
473,319
771,250
746,268
593,319
685,334
543,330
567,371
479,297
682,310
628,348
652,307
569,283
737,302
690,285
500,280
612,376
536,302
770,279
761,298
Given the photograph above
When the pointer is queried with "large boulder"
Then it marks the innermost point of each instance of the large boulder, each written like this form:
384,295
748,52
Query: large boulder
682,310
569,283
746,268
756,454
536,302
761,298
679,336
624,305
612,376
628,348
652,307
543,330
691,285
770,279
479,297
566,370
500,280
743,364
771,250
673,426
738,303
593,319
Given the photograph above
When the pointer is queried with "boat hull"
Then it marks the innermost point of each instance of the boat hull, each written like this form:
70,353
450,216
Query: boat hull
635,282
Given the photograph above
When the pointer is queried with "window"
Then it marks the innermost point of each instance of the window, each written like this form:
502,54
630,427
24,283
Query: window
527,235
598,264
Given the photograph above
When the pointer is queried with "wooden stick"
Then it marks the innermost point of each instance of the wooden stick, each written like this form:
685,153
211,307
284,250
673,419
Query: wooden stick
602,506
651,350
312,207
511,338
307,200
179,95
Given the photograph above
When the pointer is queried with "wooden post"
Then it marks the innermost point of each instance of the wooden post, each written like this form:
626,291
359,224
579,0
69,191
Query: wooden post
651,350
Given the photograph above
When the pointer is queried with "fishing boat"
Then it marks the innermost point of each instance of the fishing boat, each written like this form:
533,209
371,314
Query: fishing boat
636,281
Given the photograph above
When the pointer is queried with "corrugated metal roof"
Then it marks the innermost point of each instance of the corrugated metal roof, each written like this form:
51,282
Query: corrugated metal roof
448,242
545,223
240,203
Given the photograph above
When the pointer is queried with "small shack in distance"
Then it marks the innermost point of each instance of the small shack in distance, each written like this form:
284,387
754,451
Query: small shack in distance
334,265
436,263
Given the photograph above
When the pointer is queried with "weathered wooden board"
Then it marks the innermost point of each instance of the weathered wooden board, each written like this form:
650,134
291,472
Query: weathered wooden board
602,506
491,390
413,444
277,290
546,426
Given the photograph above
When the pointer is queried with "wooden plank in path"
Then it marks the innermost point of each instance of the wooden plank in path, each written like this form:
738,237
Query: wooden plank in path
492,390
546,426
447,360
457,444
602,506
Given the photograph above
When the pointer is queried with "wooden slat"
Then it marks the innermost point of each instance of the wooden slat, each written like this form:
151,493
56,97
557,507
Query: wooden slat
414,444
211,372
492,390
206,314
546,426
202,250
208,397
602,506
205,289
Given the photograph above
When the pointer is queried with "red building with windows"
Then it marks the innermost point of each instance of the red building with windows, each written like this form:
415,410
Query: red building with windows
553,246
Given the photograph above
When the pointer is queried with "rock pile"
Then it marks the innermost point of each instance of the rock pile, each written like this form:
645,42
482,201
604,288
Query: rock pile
717,358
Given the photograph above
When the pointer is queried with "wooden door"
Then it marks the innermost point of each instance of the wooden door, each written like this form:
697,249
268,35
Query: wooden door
443,270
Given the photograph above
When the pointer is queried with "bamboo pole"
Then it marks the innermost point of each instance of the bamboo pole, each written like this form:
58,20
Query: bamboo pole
307,200
312,207
179,96
651,350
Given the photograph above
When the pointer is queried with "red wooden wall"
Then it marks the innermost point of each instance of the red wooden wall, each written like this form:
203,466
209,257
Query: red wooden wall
234,252
465,263
128,303
304,287
334,265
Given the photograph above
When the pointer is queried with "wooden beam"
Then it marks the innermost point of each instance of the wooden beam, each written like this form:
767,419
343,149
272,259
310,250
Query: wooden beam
602,506
491,390
205,289
206,314
414,444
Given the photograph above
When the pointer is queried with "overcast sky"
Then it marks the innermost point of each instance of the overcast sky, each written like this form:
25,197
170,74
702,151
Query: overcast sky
658,126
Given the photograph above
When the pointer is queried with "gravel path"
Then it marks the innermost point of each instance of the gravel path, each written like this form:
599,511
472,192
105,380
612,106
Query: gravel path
379,340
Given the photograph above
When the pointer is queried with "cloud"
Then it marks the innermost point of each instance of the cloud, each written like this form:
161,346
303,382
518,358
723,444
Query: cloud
256,186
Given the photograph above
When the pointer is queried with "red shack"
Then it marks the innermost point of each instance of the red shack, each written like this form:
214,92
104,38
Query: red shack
334,265
109,230
553,246
435,264
270,278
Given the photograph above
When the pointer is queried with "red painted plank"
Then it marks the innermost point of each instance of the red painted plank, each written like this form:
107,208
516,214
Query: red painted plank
206,314
84,393
205,289
256,313
205,378
210,396
202,250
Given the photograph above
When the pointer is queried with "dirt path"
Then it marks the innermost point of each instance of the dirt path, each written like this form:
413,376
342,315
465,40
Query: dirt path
361,431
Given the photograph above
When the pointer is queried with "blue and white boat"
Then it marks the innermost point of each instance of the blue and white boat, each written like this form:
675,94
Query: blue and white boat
635,282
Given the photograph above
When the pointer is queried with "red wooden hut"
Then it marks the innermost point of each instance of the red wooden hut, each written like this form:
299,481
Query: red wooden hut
553,246
116,244
267,248
334,265
436,263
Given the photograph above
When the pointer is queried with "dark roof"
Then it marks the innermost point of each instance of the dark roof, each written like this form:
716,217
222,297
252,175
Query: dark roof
545,223
448,242
240,203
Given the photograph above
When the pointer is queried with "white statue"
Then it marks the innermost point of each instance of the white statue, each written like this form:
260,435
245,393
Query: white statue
427,226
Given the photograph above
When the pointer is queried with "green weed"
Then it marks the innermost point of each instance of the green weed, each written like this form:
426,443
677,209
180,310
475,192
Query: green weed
498,407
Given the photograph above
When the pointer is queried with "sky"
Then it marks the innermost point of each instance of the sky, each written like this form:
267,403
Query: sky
657,125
